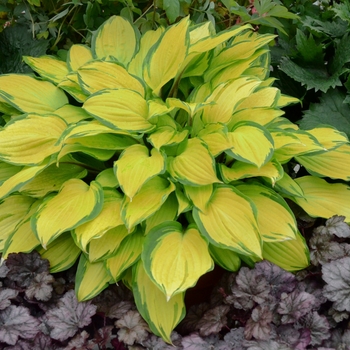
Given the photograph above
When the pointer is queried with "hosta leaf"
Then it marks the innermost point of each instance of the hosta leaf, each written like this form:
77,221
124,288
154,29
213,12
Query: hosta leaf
108,218
226,96
261,116
291,255
16,181
22,239
202,42
7,170
194,166
148,39
239,170
91,279
263,98
135,166
77,203
48,67
103,247
127,254
69,315
162,315
30,95
251,143
99,75
77,56
163,61
62,253
333,164
228,214
322,199
167,212
200,196
146,202
166,136
52,178
329,138
168,248
106,178
287,186
15,322
71,85
100,154
13,210
120,109
72,114
115,38
276,221
226,258
30,139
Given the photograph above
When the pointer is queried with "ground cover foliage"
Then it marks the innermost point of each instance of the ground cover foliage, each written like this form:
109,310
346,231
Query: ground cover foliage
258,308
310,60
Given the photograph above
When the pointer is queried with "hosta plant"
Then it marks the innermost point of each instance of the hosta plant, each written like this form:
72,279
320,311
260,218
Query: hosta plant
150,158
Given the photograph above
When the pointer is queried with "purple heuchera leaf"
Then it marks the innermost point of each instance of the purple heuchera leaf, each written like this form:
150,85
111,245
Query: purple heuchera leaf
80,342
235,338
119,309
15,321
132,328
259,324
318,326
265,345
295,305
193,316
195,342
3,270
296,339
336,226
156,343
323,249
6,295
213,320
281,281
250,288
24,267
40,287
337,276
69,316
40,342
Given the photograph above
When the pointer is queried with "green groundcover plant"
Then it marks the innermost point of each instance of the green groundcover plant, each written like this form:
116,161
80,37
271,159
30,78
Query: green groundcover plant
151,157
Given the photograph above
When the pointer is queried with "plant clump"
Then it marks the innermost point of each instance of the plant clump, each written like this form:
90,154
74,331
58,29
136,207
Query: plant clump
151,157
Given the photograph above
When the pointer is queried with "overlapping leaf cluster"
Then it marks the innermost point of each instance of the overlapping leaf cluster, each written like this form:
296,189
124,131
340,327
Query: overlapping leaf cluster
172,155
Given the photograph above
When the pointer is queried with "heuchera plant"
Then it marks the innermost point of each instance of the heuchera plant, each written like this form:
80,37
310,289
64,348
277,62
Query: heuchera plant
169,154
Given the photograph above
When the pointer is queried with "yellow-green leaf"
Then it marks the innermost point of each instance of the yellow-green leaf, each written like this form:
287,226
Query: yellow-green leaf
13,210
200,196
333,164
146,202
100,154
136,166
166,136
288,186
106,178
99,75
185,254
328,137
48,67
195,166
77,56
162,315
127,254
75,204
115,39
62,253
101,248
52,178
261,116
91,279
239,170
164,60
227,259
120,109
252,143
72,114
292,255
323,199
18,180
30,95
276,221
230,221
108,218
28,140
167,212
